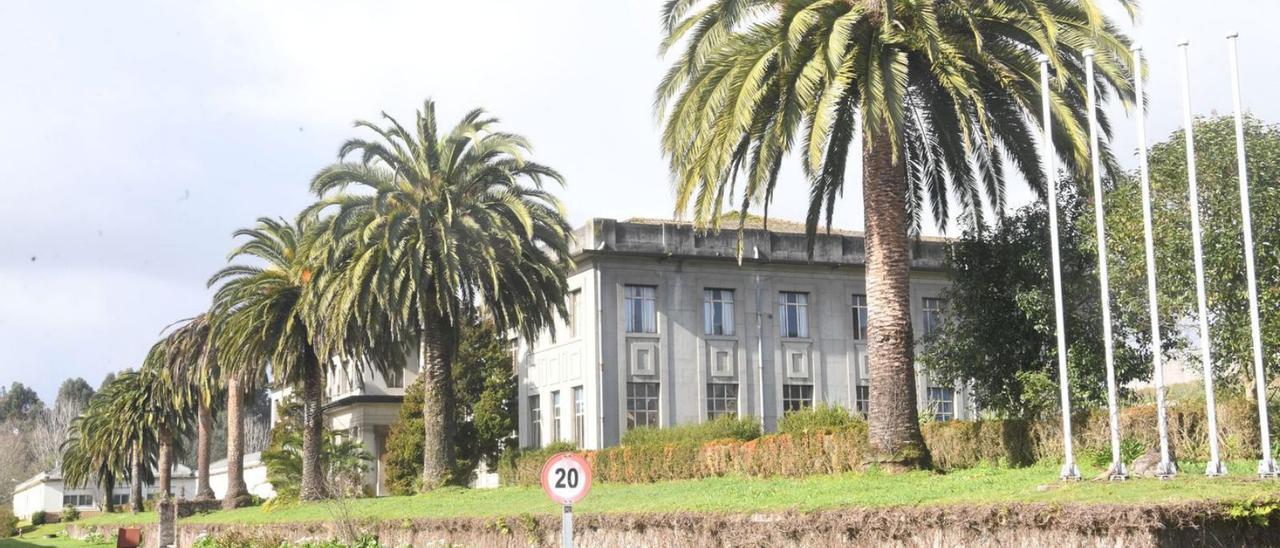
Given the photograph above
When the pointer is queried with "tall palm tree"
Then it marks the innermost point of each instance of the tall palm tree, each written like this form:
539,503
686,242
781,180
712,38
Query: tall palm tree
187,358
168,402
945,93
430,226
258,310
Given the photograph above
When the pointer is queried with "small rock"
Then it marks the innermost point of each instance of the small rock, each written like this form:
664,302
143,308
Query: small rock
1146,466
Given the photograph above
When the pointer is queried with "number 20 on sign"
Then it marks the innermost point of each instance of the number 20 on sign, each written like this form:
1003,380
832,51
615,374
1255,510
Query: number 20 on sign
566,478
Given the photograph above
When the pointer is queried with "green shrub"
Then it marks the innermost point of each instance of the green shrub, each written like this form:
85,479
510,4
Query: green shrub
8,522
965,444
726,427
522,467
39,517
823,418
70,514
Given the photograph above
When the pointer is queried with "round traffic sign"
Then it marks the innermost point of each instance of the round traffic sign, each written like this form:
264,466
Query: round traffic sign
566,478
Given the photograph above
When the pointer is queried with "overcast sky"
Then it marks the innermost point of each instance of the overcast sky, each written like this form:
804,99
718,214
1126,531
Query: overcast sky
137,135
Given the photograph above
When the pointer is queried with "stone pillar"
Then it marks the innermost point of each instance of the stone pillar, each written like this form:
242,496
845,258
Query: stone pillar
167,511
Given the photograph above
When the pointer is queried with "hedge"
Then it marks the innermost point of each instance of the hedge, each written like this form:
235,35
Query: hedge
810,449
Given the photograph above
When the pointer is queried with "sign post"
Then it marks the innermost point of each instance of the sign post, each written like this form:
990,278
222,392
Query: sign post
566,478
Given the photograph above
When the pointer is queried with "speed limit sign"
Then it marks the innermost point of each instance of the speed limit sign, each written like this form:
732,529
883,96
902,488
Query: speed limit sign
566,478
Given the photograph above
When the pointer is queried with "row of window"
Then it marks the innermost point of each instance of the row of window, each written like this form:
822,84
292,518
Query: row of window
579,425
722,400
640,313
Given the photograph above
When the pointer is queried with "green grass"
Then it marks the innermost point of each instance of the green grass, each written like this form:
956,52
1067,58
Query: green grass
735,494
52,534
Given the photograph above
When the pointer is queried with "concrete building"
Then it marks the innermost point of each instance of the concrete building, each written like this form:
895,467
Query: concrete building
255,477
667,327
47,492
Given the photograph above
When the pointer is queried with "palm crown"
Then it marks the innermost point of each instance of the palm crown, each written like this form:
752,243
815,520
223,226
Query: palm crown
952,87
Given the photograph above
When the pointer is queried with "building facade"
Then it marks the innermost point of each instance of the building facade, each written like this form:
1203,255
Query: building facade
47,492
668,327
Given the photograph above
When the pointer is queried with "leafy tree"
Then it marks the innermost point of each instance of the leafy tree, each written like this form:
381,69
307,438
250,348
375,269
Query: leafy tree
1000,333
74,392
258,312
343,461
1223,242
485,412
19,404
945,94
186,362
429,228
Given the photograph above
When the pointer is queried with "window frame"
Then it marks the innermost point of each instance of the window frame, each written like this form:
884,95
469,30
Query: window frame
796,397
797,308
573,301
722,400
935,402
557,429
862,400
714,300
651,397
579,416
860,316
535,421
931,317
646,296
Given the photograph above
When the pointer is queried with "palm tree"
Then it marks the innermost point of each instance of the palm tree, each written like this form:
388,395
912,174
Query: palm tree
258,311
168,403
109,441
436,226
187,356
945,93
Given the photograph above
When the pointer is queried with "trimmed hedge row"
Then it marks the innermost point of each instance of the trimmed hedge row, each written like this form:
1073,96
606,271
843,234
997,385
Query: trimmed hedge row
952,444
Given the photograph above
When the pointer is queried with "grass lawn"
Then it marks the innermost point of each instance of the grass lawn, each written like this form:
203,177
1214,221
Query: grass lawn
52,534
735,494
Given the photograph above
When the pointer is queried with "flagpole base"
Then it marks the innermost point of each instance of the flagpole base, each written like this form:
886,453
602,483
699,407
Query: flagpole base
1215,468
1069,472
1117,472
1166,470
1267,469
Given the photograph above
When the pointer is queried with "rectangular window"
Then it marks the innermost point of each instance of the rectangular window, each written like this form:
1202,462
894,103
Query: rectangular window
77,500
793,314
535,422
642,404
862,400
796,397
579,417
932,314
119,499
555,417
722,400
68,500
395,377
859,317
571,304
942,403
641,315
717,307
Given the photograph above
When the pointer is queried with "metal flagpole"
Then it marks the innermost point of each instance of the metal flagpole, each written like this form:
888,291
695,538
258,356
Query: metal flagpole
1166,468
1117,470
1069,470
1215,466
1266,464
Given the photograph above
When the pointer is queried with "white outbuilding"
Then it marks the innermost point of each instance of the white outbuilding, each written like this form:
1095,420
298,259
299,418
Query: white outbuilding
47,492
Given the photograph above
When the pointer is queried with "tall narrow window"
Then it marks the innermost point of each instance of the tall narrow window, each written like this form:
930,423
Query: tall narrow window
932,309
535,422
717,308
722,400
642,404
796,397
571,305
555,417
639,308
579,417
793,314
942,403
862,400
859,317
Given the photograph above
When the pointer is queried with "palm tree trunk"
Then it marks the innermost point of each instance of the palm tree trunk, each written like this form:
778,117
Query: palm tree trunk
434,362
164,463
312,427
237,494
135,482
204,429
107,484
896,442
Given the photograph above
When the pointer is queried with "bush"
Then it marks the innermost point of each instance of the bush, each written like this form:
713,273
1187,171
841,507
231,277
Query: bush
8,522
965,444
39,517
70,514
727,427
823,418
